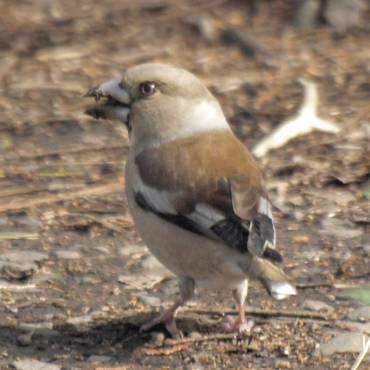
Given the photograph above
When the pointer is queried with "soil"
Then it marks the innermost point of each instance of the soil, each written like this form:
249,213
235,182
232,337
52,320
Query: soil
76,281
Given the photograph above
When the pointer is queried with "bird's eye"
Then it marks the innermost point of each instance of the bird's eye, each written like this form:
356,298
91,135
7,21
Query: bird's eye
147,88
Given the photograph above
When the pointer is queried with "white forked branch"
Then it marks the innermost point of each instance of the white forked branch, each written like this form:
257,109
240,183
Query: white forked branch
304,122
362,354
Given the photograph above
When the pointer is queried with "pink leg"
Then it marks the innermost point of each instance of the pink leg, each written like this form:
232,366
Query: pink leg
238,325
167,317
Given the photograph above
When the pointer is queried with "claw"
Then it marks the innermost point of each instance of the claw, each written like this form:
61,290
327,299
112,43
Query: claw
95,93
232,325
166,317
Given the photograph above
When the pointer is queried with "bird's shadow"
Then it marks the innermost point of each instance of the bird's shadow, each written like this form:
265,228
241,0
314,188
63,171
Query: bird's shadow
119,338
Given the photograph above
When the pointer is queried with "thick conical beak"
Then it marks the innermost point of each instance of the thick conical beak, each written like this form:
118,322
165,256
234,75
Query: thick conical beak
116,103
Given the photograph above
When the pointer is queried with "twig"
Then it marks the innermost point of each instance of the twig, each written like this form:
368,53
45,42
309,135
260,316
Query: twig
314,285
362,354
206,338
326,285
16,287
40,199
163,351
16,235
296,314
304,122
277,313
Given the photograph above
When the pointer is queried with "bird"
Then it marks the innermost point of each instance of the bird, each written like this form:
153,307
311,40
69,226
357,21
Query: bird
195,193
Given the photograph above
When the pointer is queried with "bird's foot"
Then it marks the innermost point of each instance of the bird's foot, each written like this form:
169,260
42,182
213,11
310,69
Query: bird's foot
167,318
232,325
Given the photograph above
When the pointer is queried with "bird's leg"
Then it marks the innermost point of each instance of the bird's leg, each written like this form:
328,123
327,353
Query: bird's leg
238,325
167,317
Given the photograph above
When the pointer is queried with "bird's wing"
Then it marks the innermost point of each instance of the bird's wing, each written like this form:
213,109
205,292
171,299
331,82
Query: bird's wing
209,185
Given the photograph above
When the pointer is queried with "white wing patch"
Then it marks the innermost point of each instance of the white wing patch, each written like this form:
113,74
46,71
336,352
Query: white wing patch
206,216
160,200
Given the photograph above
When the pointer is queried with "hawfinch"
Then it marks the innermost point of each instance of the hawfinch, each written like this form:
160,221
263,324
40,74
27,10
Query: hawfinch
195,192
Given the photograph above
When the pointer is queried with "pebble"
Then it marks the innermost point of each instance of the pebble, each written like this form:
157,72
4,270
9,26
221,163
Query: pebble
343,342
31,364
362,313
195,335
282,364
158,338
314,305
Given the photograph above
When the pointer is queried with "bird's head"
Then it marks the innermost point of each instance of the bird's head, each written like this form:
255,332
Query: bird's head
157,103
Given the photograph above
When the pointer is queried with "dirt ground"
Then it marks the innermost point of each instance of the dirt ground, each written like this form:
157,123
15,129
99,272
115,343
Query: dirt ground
75,279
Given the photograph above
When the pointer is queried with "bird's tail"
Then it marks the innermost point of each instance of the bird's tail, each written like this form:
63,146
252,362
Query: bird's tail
275,281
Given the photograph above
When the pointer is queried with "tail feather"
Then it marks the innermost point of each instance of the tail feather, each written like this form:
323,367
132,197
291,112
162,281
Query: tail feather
275,281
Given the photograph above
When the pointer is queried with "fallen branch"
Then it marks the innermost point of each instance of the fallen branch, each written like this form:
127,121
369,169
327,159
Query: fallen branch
362,354
303,123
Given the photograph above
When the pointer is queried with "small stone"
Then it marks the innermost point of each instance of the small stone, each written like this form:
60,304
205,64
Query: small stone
158,338
67,254
343,342
195,335
282,364
31,364
314,305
